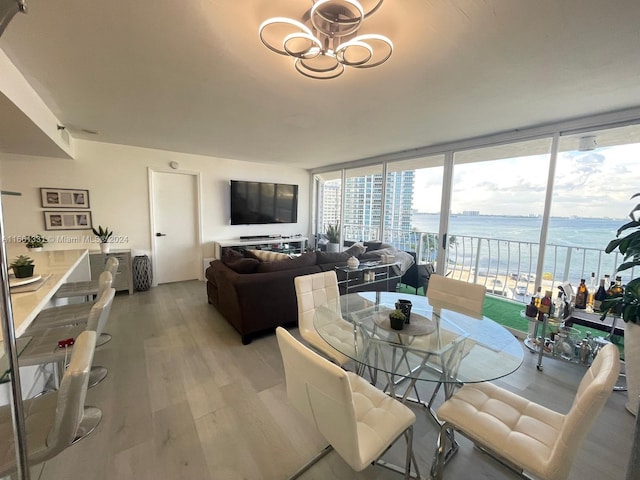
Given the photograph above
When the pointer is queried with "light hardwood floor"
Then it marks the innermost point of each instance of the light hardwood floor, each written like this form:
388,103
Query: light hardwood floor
184,399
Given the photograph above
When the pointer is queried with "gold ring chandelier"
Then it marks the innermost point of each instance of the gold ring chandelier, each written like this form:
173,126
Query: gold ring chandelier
326,39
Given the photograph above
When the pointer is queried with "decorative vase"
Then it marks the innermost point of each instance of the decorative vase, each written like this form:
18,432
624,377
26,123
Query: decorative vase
405,307
353,263
104,247
632,365
142,273
333,247
23,271
34,249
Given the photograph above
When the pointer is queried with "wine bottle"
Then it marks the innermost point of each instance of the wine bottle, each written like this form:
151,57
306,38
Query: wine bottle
601,294
538,297
617,289
531,310
545,303
581,295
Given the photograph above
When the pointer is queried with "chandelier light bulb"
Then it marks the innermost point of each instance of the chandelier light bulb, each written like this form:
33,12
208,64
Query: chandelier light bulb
327,40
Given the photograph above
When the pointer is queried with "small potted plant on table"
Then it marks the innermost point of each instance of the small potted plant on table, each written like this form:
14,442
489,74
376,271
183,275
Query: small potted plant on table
103,234
396,319
22,266
35,242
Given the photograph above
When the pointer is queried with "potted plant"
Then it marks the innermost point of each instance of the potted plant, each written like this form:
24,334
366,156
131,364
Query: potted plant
397,318
35,242
333,235
22,266
628,304
103,234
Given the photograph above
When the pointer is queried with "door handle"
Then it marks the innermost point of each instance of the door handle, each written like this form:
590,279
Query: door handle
158,234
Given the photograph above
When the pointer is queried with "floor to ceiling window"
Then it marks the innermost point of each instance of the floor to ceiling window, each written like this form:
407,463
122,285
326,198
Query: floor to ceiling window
510,214
362,204
596,174
328,200
412,206
497,204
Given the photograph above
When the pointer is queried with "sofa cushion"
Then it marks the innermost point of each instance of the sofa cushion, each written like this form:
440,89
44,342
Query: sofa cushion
268,256
356,249
405,259
304,260
331,257
231,255
373,245
244,265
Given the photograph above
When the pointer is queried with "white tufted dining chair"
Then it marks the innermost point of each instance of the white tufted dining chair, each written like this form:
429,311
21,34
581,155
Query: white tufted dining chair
359,421
449,291
313,291
526,436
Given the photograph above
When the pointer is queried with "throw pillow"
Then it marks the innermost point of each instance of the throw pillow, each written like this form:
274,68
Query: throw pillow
373,245
268,256
244,265
356,249
304,260
231,255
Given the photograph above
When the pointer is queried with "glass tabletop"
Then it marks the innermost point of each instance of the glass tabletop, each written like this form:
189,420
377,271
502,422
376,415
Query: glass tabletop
440,344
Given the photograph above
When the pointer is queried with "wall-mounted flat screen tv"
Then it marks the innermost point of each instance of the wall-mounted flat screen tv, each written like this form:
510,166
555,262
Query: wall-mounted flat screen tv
260,203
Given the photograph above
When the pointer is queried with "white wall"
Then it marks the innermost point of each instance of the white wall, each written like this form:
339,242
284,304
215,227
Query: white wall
117,179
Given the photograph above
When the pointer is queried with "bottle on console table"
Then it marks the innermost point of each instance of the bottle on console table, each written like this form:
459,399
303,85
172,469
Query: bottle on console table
601,294
581,295
531,310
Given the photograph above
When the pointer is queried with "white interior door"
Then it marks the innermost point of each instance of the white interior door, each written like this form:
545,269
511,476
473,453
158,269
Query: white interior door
175,226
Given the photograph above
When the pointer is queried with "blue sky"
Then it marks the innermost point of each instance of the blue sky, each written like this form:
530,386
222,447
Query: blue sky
598,183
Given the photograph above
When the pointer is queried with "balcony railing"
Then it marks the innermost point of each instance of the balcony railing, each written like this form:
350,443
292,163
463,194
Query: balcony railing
505,267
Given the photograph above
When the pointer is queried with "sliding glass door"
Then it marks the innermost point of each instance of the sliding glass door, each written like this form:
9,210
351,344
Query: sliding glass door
496,216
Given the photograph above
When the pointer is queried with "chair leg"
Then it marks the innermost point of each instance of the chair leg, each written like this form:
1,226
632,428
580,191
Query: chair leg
444,453
410,458
311,462
90,420
96,375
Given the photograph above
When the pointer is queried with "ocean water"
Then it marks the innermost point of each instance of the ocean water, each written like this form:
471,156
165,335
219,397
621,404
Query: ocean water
575,246
574,232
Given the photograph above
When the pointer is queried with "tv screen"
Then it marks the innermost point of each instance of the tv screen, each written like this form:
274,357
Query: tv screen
260,203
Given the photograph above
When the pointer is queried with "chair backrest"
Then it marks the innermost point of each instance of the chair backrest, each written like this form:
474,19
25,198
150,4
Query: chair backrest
112,265
99,313
321,391
450,292
312,291
71,396
105,280
594,390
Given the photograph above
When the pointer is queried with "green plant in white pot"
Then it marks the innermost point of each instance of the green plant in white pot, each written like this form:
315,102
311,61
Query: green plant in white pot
103,234
628,304
333,235
35,242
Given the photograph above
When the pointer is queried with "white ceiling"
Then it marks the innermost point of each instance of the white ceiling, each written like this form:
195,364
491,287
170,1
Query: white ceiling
192,76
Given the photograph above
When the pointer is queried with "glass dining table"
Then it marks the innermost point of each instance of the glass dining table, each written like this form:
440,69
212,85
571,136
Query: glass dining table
440,344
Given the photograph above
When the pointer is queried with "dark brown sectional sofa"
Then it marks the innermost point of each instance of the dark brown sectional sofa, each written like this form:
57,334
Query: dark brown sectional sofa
257,296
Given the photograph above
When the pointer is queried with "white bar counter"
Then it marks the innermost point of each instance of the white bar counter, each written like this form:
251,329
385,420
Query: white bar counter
63,265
